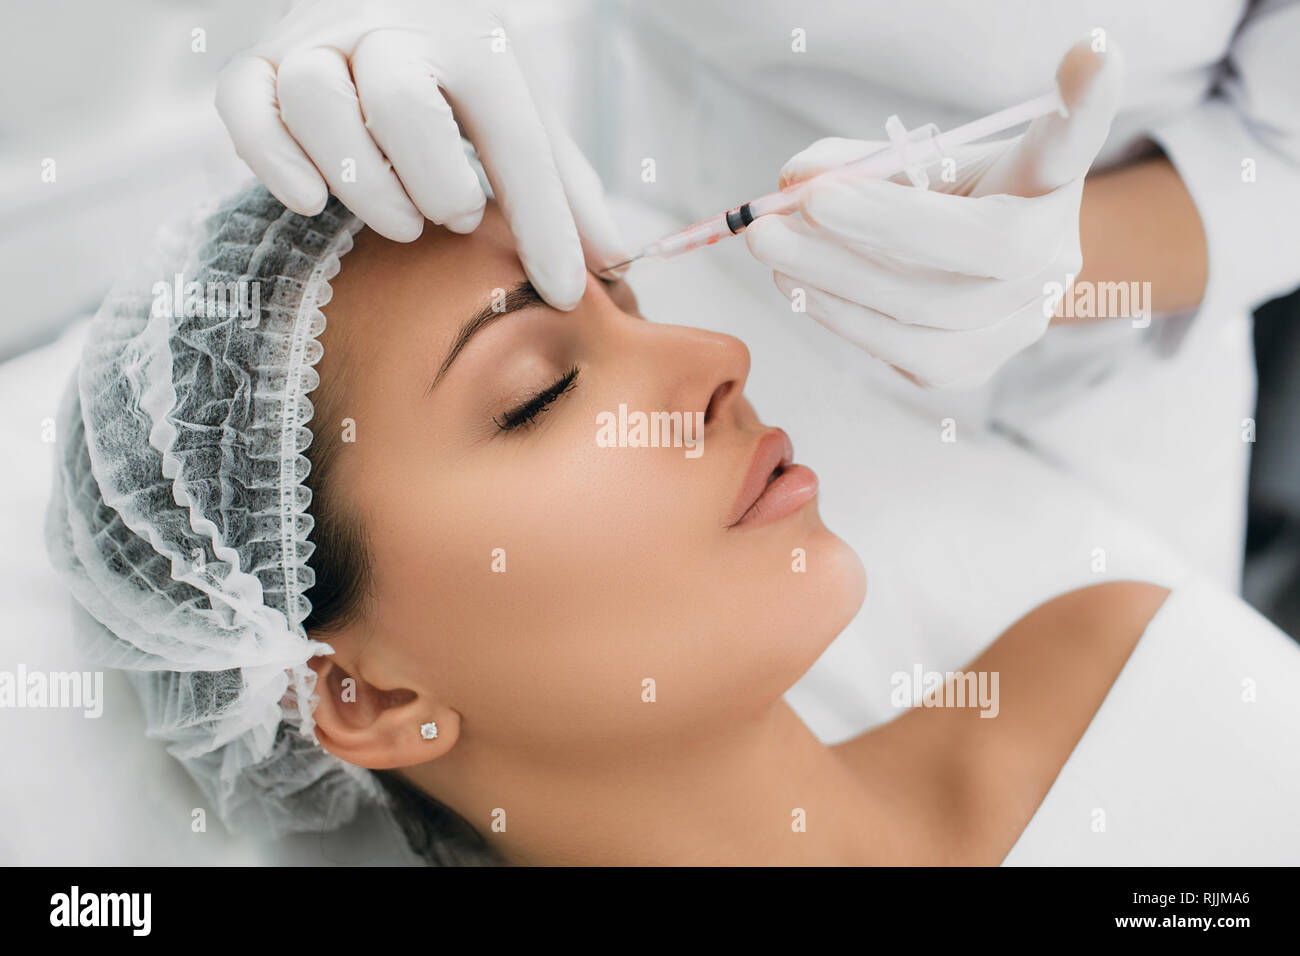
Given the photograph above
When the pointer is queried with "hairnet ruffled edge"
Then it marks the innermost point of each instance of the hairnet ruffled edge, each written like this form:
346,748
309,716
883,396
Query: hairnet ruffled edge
294,494
298,702
242,770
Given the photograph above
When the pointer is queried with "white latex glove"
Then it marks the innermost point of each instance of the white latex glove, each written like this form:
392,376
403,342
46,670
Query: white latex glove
375,84
947,284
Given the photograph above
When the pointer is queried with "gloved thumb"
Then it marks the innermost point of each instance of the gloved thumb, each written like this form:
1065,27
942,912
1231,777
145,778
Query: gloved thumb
603,243
1058,149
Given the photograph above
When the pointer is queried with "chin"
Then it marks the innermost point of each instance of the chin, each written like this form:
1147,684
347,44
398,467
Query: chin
844,587
790,617
826,595
819,602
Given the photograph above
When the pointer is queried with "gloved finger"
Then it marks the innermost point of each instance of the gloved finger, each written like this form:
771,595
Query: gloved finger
826,153
602,242
960,172
911,294
247,104
938,358
1055,149
500,119
1003,237
320,108
410,120
907,293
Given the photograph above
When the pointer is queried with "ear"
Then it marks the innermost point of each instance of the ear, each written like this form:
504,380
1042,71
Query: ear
374,727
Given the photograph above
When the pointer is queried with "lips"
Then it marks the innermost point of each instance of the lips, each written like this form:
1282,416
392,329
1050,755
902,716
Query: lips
773,486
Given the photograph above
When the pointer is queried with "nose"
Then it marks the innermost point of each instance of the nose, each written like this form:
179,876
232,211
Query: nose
693,369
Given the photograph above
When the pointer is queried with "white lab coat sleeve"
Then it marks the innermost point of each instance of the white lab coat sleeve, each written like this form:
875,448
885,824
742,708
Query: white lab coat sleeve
1238,153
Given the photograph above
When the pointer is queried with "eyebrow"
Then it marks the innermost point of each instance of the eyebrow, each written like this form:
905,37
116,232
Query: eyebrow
521,296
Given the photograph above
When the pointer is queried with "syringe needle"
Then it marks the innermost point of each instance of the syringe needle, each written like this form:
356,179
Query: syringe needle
617,265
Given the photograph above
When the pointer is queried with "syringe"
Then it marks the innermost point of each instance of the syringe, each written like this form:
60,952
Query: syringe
909,152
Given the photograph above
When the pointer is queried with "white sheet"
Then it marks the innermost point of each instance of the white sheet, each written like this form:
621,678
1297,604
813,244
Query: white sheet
1193,759
959,539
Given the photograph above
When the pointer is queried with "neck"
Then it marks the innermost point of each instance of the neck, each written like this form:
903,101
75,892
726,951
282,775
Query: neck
730,800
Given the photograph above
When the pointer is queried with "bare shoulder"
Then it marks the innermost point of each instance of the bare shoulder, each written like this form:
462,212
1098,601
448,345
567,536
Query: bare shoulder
981,780
1058,662
1057,666
1108,608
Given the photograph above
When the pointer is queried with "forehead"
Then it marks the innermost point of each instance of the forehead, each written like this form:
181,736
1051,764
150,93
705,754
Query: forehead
425,288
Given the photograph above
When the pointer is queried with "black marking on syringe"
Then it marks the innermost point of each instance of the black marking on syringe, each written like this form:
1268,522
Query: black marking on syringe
739,218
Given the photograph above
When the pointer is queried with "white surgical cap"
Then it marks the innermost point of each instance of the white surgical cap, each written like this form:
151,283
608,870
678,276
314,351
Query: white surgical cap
179,515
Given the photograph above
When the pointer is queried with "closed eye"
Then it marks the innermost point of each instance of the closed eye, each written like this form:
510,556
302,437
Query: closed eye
527,413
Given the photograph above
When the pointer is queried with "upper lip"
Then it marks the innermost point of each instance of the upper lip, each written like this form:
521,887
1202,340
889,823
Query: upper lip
774,451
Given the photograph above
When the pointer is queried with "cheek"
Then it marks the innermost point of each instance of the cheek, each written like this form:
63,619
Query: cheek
558,524
546,579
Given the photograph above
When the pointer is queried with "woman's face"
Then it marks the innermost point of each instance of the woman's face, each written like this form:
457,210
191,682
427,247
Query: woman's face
532,578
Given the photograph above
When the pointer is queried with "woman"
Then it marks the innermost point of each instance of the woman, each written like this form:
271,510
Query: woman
555,649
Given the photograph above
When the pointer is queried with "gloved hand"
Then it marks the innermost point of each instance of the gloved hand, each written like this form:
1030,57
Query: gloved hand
340,84
946,284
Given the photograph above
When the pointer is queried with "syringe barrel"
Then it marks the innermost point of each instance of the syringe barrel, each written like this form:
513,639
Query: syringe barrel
920,149
702,233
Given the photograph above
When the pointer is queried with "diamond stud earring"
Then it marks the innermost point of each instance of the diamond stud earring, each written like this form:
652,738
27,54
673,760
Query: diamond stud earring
429,731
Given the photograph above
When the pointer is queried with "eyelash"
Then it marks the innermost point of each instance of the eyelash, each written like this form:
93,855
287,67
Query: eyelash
527,413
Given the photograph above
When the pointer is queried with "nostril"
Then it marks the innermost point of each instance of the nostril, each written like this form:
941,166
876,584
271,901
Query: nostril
715,400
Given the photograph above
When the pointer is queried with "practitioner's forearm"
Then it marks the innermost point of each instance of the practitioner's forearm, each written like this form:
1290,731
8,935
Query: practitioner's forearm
1139,224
